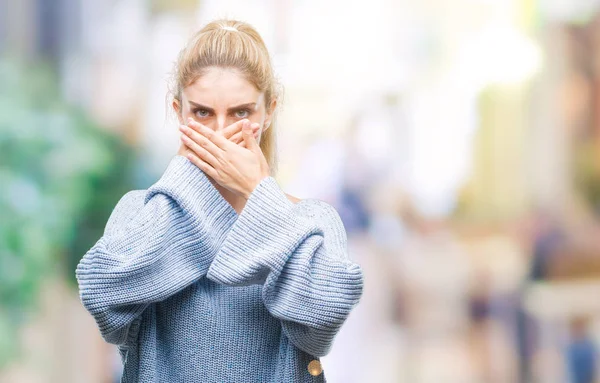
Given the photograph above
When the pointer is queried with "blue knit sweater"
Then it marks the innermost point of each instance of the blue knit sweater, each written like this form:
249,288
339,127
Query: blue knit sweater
190,291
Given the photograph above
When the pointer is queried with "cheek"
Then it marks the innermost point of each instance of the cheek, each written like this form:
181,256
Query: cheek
259,135
187,113
258,117
183,114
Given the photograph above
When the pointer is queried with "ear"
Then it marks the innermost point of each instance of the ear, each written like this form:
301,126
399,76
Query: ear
177,108
269,116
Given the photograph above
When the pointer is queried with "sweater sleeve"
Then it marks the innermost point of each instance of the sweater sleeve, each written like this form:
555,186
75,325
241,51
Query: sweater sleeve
154,245
299,253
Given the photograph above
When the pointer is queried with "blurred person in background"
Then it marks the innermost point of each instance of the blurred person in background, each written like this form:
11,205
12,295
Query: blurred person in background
214,273
581,352
547,238
432,275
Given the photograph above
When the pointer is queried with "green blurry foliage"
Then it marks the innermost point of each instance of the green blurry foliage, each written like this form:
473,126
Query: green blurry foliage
60,177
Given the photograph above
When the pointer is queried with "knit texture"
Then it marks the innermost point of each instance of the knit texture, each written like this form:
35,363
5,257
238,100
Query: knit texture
190,291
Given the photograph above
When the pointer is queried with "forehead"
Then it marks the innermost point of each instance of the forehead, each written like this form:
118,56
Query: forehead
222,86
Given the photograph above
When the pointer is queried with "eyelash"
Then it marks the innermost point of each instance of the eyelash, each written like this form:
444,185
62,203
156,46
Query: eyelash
247,113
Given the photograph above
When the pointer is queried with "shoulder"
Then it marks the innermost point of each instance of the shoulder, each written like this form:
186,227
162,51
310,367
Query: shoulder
325,216
131,200
126,208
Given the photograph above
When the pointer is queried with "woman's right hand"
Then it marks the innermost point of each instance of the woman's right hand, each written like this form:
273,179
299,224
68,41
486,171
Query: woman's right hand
233,133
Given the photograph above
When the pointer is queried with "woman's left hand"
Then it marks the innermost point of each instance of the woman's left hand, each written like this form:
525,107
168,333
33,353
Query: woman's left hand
236,168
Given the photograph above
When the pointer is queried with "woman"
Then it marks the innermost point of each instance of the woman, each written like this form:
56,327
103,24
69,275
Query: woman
214,274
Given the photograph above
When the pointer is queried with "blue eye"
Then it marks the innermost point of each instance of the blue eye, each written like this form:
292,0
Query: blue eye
243,113
201,113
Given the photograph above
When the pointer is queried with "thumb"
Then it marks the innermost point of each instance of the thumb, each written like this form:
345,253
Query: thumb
249,140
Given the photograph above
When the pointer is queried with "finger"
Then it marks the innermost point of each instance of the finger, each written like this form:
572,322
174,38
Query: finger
199,127
249,139
255,130
233,129
199,151
218,140
238,138
206,168
195,125
201,140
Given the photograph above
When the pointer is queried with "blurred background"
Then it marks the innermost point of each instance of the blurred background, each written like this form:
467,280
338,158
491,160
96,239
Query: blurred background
458,139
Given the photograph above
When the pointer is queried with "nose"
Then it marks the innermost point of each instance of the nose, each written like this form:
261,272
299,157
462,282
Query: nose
221,120
216,124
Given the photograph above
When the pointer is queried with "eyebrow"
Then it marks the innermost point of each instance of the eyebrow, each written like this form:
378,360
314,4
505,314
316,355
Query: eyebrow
249,105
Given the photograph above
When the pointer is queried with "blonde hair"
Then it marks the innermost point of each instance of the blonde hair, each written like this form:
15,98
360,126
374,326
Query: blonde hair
231,44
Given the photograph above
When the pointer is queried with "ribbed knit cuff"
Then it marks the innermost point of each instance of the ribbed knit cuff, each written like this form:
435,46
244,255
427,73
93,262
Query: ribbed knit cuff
262,238
266,219
190,187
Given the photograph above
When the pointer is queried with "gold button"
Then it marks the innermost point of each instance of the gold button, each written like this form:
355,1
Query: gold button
314,367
